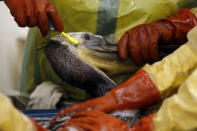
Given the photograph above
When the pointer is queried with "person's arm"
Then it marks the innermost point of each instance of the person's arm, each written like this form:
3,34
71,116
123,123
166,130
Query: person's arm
31,13
141,42
13,120
177,112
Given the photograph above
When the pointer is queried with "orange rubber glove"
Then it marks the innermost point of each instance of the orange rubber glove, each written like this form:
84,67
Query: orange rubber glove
145,124
35,13
94,121
141,42
98,121
137,92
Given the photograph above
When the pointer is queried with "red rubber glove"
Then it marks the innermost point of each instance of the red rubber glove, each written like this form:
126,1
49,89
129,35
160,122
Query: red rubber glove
35,13
137,92
94,121
141,42
145,124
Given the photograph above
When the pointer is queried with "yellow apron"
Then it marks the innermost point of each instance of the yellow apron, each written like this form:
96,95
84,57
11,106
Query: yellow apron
109,18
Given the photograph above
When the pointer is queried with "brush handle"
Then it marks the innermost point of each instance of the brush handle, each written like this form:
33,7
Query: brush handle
69,38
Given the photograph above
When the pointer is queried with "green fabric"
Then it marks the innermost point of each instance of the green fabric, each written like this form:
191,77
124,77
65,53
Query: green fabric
88,16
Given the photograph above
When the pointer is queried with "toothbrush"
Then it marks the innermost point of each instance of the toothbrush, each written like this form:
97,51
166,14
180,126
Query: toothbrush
71,39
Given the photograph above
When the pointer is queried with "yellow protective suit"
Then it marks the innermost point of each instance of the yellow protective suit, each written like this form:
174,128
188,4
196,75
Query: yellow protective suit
174,69
11,119
169,73
109,18
179,112
179,69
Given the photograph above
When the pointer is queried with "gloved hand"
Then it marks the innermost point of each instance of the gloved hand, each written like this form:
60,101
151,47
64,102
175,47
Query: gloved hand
145,124
137,92
141,42
35,13
94,121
